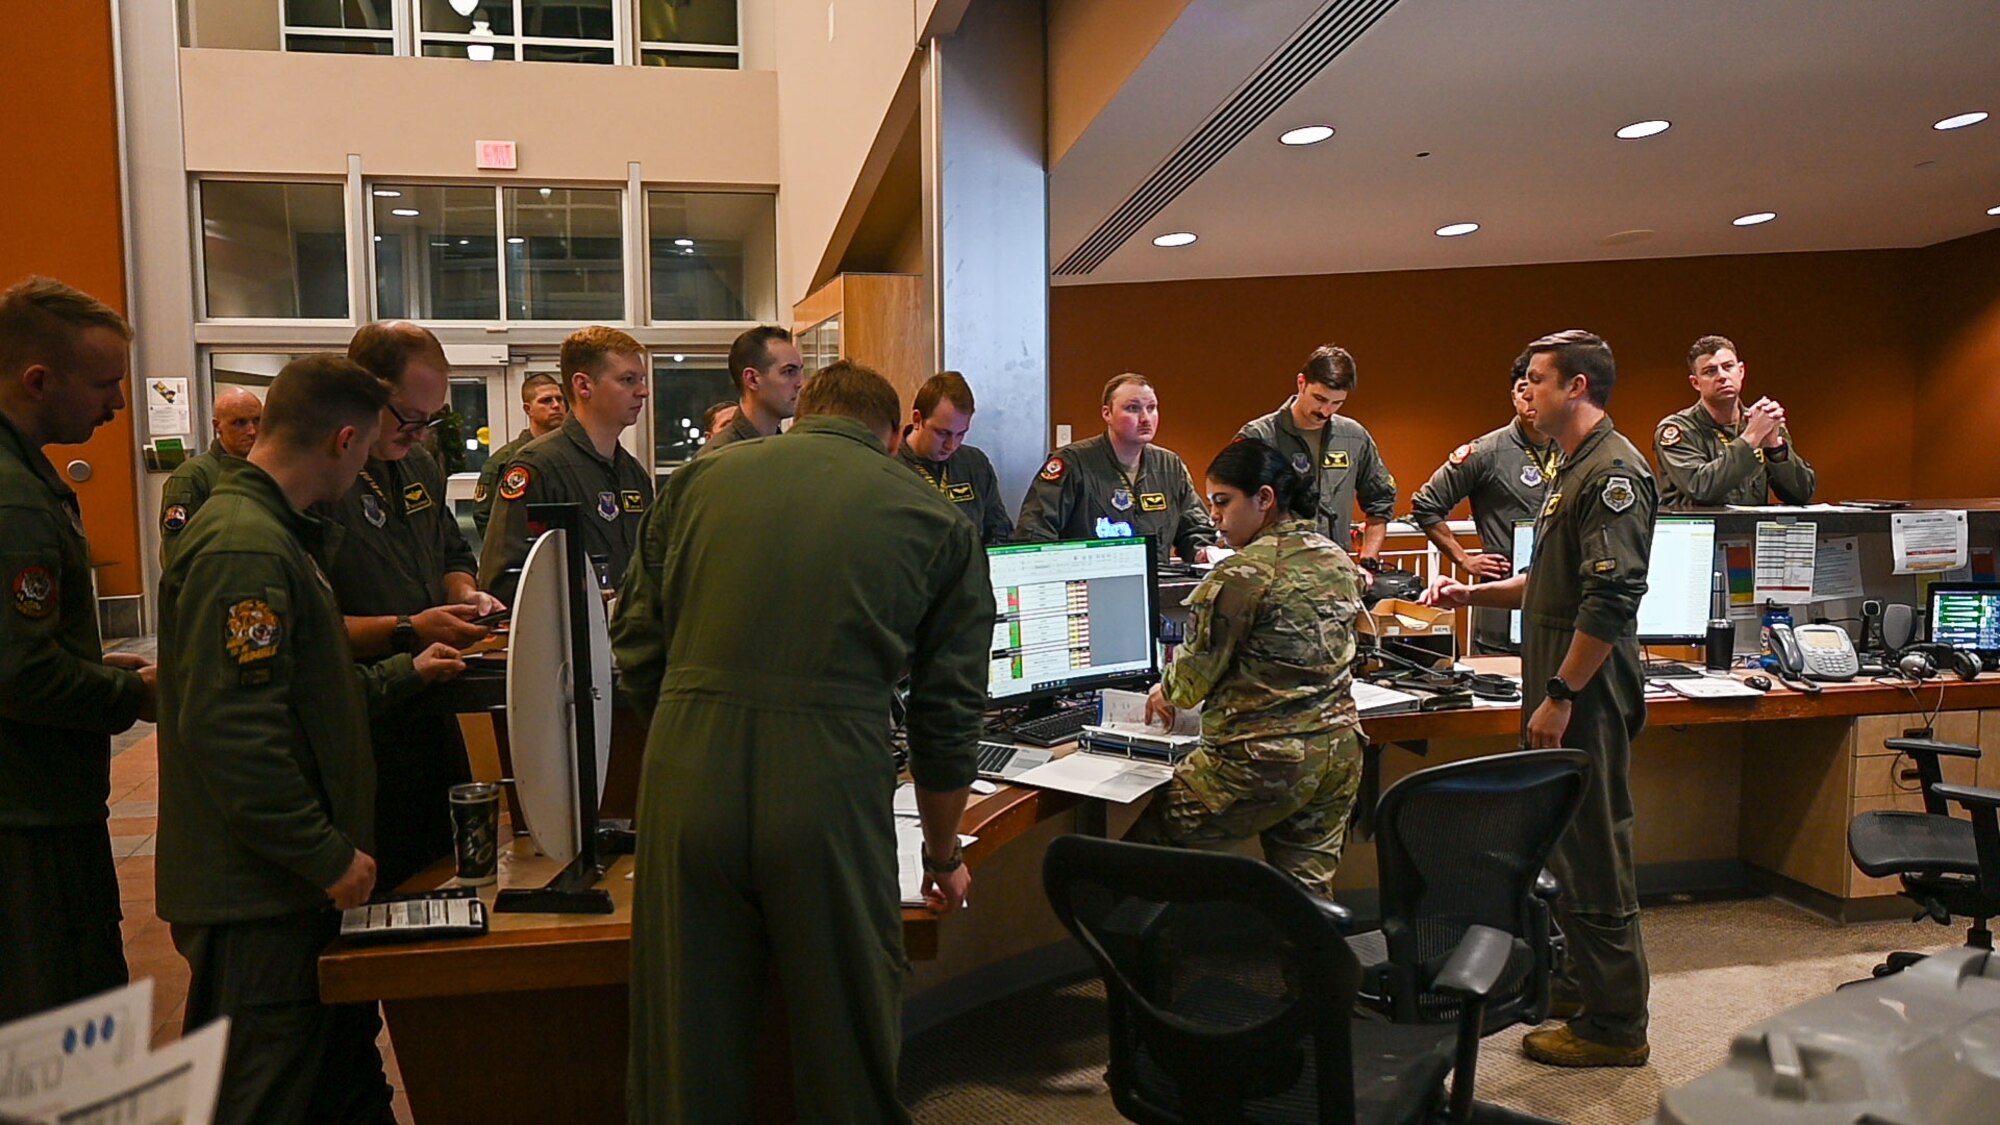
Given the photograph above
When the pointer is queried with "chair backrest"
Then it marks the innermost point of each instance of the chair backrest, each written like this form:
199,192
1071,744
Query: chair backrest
1462,844
1229,992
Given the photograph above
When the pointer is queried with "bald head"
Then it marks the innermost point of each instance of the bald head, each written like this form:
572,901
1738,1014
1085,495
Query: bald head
237,416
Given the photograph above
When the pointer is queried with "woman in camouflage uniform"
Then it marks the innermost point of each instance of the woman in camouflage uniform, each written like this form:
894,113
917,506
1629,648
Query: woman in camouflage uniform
1270,656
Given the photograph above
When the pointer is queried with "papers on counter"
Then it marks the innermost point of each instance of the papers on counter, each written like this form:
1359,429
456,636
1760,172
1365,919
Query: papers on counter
1712,687
910,859
1375,700
1122,780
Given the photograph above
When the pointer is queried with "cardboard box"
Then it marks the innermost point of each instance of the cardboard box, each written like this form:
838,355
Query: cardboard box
1396,617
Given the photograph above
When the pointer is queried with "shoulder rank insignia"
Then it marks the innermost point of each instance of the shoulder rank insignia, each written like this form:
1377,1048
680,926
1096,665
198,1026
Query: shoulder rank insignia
34,592
1618,494
1459,455
415,497
632,500
1604,566
1152,501
174,518
1334,459
607,506
1670,434
1054,469
251,632
514,484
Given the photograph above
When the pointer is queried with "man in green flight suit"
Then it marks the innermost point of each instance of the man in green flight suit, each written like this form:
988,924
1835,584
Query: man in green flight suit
64,357
766,657
1583,685
934,448
267,786
237,412
605,381
1505,474
542,401
1720,452
768,370
403,578
1310,429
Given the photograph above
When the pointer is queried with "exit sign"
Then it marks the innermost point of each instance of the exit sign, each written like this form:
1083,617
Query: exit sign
495,155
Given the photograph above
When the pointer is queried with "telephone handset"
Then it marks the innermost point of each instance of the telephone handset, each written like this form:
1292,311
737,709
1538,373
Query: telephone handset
1814,652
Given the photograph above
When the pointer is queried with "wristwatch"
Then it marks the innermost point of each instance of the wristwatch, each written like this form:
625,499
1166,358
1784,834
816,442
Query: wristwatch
952,863
404,639
1559,690
1372,566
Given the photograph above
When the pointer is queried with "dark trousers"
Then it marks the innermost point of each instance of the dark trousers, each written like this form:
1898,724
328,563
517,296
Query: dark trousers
419,756
291,1058
59,914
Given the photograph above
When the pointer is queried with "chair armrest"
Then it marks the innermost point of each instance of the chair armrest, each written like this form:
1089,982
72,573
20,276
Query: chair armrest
1931,746
1546,887
1971,796
1476,966
1341,917
1926,753
1984,806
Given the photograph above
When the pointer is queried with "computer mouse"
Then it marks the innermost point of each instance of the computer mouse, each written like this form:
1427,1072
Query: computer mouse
985,788
1761,683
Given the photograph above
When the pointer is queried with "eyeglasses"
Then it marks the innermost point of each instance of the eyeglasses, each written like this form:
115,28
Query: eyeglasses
418,424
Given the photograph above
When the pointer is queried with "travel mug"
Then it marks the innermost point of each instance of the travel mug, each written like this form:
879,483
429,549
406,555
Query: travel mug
475,832
1721,645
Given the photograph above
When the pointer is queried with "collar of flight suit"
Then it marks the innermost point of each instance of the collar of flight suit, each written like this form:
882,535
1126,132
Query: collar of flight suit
572,428
1519,432
38,463
1699,415
1590,441
839,426
321,537
1287,422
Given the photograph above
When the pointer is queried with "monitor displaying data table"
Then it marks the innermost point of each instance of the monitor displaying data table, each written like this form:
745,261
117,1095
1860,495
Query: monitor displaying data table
1072,615
1676,607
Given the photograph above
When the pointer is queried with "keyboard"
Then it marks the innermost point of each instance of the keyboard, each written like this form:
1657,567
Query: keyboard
1054,729
1001,760
1670,670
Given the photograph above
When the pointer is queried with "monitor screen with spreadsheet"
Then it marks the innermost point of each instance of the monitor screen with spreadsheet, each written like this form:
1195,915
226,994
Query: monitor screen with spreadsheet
1966,615
1676,608
1071,615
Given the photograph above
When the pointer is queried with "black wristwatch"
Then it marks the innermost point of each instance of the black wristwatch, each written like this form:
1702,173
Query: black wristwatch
1559,690
1372,566
952,862
404,639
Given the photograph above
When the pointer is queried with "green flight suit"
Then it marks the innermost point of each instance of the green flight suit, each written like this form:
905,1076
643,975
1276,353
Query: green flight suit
399,539
740,428
267,789
1592,541
1270,658
1083,493
967,480
185,492
59,707
778,624
1704,464
489,479
565,468
1350,466
1505,474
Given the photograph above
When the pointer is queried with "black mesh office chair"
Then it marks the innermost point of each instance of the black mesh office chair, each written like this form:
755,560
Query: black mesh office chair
1231,993
1463,845
1948,866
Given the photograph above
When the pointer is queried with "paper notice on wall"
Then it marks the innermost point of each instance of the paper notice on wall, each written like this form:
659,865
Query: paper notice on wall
1739,560
167,410
1928,542
1837,570
1786,553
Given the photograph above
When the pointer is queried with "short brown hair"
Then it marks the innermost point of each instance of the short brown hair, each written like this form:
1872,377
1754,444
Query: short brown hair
584,350
314,396
538,379
40,320
1581,353
753,349
852,391
1332,367
1128,379
945,386
386,347
1709,345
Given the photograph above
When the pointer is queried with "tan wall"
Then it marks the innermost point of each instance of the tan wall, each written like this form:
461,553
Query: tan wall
1094,46
1958,382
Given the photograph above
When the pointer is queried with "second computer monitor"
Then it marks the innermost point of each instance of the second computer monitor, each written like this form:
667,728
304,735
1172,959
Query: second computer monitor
1072,615
1676,607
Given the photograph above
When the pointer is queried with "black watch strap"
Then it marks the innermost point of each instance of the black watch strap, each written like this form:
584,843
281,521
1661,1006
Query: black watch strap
1560,691
404,638
951,863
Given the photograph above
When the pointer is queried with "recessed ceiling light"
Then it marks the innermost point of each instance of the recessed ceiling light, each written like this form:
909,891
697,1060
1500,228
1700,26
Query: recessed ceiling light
465,242
683,242
1306,135
1453,230
406,212
1177,238
1753,218
387,193
516,240
679,358
1960,121
1639,129
1993,211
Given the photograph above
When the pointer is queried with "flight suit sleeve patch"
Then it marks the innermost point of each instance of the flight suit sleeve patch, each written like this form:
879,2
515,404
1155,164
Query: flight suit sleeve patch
514,484
1670,434
251,633
1459,455
1618,493
415,498
34,592
1604,566
632,500
1152,501
174,518
1054,469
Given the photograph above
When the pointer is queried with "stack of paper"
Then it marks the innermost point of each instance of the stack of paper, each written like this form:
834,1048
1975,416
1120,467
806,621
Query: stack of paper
89,1061
1374,699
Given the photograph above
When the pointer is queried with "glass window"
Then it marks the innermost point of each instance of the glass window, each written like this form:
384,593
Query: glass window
706,60
576,31
713,255
253,371
359,27
684,387
274,250
711,22
565,254
567,19
435,252
460,449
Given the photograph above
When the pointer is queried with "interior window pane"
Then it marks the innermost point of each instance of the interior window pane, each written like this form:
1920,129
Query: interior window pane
688,21
274,250
338,45
350,15
538,52
684,386
460,450
501,51
713,255
567,19
565,254
435,253
703,60
443,15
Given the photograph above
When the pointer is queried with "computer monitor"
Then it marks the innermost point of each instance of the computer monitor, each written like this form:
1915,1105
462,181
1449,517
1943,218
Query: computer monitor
1072,615
1676,607
1966,615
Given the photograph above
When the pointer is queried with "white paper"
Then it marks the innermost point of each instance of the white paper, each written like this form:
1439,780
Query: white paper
1837,570
44,1056
167,412
1785,557
1125,713
1797,508
910,860
1925,542
1374,699
174,1085
1121,780
1711,687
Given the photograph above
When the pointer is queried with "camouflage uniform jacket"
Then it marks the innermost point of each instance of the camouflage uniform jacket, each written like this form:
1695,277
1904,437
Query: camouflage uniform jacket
1270,646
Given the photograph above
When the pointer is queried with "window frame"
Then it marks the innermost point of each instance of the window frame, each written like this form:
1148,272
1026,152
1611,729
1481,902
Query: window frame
407,37
199,252
394,36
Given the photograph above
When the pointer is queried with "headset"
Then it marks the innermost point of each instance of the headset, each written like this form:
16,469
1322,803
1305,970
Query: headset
1928,660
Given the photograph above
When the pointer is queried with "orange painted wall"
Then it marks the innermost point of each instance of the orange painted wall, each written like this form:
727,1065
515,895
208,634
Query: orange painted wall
1958,384
1827,334
60,216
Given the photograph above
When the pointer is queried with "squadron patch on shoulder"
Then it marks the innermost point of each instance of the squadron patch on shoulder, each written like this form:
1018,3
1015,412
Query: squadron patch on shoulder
1459,455
1670,434
1618,494
514,484
34,592
479,493
174,518
251,633
1054,469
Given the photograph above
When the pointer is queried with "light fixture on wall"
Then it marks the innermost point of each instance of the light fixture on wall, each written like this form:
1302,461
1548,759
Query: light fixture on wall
480,52
465,7
1754,218
1177,238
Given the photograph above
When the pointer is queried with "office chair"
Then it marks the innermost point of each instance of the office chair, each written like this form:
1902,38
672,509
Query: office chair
1463,845
1948,866
1230,994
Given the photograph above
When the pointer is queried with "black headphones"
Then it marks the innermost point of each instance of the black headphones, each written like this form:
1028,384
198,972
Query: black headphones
1927,661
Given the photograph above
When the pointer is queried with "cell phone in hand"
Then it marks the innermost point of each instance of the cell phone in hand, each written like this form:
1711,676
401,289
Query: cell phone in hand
494,618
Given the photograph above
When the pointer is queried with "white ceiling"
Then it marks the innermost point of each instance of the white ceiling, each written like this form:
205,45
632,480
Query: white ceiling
1820,110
